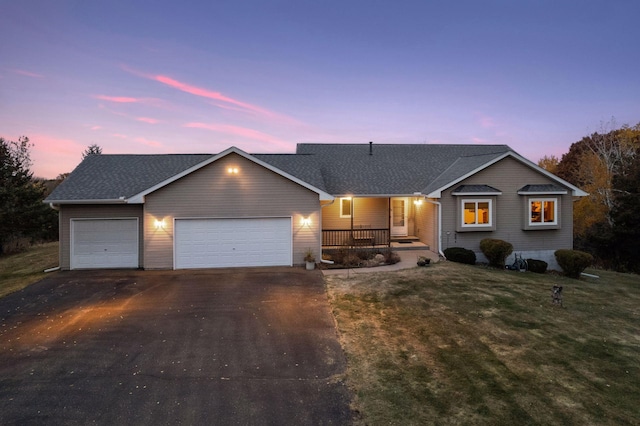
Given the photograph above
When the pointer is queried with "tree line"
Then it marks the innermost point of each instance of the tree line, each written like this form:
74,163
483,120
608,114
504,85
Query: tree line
24,218
605,164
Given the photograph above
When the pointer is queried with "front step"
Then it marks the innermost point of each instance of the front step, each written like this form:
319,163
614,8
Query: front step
404,239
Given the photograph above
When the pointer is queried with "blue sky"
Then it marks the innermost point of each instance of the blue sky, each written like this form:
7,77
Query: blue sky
177,77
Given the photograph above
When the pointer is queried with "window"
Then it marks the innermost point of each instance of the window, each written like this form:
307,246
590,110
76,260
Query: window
345,207
543,211
476,213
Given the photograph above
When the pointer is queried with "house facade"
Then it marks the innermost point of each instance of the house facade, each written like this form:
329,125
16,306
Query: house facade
237,209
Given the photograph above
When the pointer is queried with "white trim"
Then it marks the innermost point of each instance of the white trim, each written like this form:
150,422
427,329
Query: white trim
542,193
577,192
98,201
476,201
343,215
139,198
542,201
473,194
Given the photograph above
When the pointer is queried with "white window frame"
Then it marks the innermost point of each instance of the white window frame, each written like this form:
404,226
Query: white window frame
346,215
542,201
489,201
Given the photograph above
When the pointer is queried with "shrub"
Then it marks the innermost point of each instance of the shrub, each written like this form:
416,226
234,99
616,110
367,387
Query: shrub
496,251
537,266
460,255
573,262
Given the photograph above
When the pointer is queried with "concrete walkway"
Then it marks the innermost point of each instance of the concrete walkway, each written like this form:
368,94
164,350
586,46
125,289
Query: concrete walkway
408,259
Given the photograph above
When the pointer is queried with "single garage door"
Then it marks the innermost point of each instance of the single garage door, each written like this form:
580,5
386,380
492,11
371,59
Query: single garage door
104,243
218,243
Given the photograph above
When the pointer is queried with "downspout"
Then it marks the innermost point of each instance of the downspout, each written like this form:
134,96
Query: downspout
437,203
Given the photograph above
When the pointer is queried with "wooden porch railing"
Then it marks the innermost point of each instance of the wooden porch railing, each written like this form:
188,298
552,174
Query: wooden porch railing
355,237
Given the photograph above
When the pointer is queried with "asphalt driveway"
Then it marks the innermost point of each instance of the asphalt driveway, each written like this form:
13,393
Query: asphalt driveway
235,346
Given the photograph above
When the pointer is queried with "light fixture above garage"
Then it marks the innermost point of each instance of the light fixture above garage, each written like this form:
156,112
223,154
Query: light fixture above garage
306,221
159,224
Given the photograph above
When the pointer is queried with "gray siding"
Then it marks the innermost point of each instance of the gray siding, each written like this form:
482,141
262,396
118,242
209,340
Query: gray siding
212,192
366,211
508,175
102,211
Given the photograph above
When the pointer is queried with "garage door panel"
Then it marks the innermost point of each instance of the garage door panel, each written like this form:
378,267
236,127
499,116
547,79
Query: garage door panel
211,243
104,243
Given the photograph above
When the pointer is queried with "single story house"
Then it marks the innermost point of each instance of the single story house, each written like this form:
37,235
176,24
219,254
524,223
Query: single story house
181,211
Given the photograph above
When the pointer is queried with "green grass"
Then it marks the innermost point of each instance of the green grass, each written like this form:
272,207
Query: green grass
458,344
19,270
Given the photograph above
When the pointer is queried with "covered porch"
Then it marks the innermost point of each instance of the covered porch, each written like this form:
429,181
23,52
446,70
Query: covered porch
371,222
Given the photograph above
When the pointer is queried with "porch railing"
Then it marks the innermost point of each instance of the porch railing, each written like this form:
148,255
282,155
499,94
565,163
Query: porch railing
355,237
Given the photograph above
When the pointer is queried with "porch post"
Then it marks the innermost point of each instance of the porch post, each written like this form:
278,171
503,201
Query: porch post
389,221
353,202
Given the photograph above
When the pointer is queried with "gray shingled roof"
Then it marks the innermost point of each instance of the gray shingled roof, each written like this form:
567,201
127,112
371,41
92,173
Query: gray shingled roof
339,169
109,177
550,188
304,167
400,169
472,189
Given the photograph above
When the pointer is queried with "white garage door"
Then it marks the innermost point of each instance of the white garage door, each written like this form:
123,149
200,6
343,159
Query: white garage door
104,243
217,243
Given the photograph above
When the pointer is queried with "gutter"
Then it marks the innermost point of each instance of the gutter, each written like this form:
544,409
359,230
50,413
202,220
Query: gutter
107,201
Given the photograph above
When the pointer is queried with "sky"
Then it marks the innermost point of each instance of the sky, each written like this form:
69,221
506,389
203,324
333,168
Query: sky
156,77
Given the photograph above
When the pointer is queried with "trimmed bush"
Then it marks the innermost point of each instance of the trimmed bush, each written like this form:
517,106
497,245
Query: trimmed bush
537,266
573,262
460,255
496,251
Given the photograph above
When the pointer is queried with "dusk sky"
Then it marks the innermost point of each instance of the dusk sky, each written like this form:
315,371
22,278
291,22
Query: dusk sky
198,77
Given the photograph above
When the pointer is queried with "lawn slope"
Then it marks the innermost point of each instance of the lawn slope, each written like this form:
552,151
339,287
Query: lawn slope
19,270
459,344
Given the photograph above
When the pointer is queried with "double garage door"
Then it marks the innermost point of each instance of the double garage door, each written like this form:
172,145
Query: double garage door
217,243
198,243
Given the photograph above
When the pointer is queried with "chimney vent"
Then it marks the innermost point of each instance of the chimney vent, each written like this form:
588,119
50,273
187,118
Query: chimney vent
370,148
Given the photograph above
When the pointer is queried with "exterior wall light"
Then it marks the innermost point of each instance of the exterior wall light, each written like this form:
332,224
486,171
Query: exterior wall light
306,221
232,170
417,202
159,224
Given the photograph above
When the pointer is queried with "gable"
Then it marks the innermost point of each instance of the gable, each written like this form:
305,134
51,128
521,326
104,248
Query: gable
454,176
139,198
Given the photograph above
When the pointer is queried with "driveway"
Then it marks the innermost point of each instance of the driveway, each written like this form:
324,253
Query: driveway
234,346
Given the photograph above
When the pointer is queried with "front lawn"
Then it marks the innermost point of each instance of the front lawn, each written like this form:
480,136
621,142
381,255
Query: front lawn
458,344
19,270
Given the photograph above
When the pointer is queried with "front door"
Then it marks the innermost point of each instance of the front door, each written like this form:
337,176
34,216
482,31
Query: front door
399,209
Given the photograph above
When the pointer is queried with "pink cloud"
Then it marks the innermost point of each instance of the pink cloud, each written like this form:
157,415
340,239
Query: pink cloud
131,100
147,120
148,142
27,73
241,132
118,99
119,135
52,155
216,96
478,140
485,121
96,127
